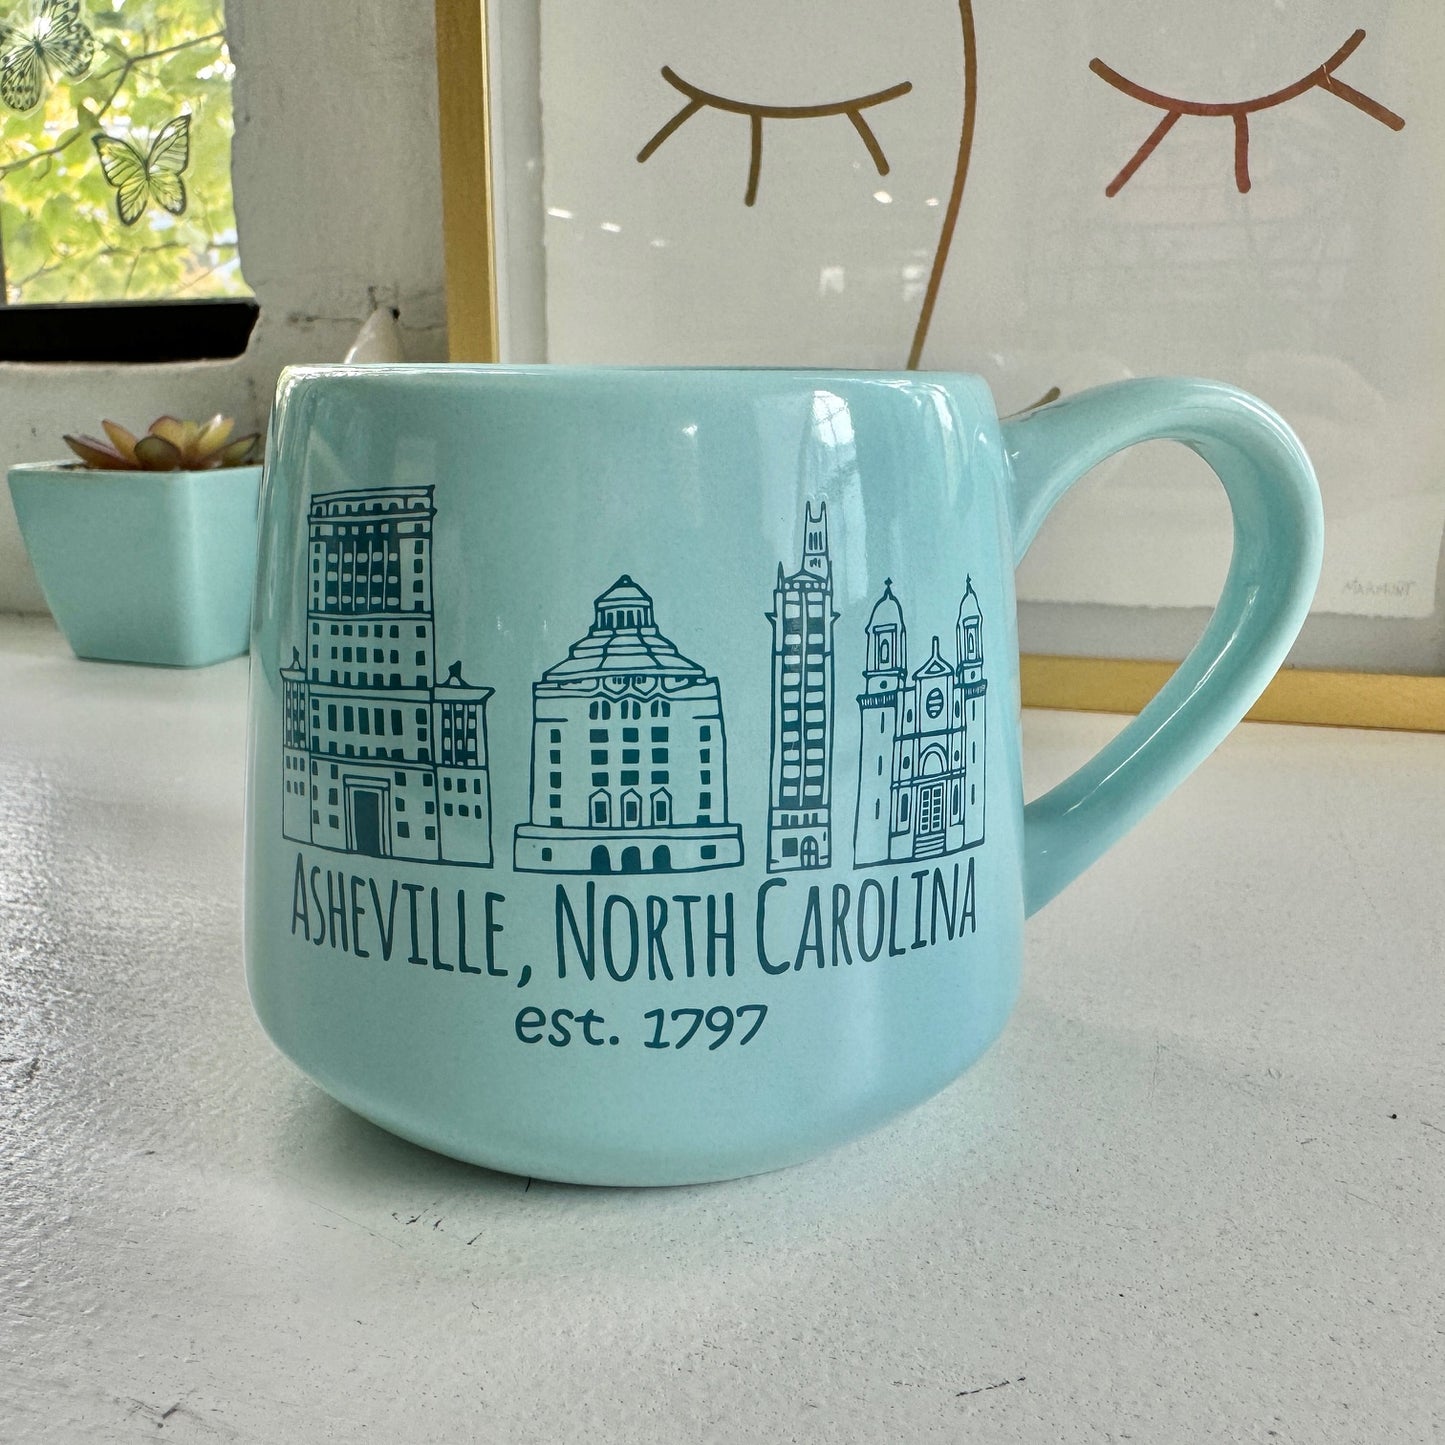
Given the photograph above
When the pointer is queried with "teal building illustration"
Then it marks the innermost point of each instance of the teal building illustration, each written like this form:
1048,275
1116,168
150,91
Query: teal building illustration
629,754
379,757
923,749
800,800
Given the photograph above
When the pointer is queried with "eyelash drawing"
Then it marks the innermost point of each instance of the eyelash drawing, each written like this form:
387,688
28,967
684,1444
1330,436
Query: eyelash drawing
1322,77
698,99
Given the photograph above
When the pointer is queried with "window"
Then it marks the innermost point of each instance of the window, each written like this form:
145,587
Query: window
115,165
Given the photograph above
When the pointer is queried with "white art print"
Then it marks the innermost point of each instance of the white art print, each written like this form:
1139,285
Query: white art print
1050,196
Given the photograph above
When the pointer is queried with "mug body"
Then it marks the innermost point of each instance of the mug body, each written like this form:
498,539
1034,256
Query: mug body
633,789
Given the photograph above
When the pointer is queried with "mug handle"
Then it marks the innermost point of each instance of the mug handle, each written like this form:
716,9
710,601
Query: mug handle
1275,566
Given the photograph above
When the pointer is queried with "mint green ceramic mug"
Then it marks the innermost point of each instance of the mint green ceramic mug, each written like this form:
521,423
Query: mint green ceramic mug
634,791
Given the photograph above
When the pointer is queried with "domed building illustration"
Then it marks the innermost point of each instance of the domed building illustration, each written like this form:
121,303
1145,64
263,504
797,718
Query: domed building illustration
923,740
629,756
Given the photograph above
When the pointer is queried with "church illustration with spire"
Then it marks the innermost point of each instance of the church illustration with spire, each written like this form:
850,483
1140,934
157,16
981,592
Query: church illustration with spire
923,748
800,798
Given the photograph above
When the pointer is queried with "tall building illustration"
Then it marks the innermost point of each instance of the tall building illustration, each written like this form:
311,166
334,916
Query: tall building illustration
800,827
629,757
923,751
379,757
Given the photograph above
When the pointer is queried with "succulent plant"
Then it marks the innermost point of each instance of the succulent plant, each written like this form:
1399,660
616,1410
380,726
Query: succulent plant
169,445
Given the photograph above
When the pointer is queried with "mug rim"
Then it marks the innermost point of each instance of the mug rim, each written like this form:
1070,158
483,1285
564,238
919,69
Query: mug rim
340,370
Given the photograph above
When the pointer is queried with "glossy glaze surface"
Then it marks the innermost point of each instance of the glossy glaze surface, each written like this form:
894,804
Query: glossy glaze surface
530,885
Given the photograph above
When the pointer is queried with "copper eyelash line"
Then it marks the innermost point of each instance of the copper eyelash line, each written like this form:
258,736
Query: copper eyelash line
699,99
1322,77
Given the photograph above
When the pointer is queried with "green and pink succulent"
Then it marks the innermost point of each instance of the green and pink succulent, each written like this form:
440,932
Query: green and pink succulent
169,445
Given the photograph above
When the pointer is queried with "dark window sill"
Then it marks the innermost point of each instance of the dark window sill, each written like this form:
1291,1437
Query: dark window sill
127,331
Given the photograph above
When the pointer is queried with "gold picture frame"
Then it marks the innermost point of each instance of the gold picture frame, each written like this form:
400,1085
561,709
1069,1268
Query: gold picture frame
1336,698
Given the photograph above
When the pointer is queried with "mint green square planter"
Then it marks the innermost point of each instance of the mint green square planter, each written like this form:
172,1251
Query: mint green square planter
152,567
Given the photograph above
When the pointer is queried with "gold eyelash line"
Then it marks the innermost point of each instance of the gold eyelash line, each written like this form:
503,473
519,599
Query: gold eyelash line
698,99
1322,77
968,124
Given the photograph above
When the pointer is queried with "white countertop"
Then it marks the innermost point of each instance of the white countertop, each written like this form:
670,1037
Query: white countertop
1196,1192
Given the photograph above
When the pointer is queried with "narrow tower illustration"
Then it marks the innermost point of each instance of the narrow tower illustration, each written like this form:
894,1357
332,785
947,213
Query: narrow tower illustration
800,798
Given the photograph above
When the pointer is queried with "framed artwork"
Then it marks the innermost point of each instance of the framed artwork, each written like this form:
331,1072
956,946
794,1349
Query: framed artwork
1129,187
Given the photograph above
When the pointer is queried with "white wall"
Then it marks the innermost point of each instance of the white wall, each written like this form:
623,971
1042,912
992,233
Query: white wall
338,203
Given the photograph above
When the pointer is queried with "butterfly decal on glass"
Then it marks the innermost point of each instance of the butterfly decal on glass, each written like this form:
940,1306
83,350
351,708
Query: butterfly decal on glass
52,38
155,176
